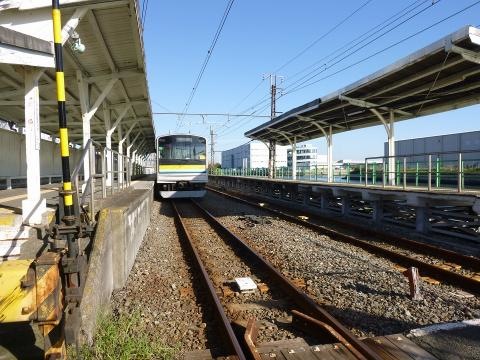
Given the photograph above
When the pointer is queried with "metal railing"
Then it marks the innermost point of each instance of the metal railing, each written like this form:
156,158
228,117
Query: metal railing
426,171
119,171
10,182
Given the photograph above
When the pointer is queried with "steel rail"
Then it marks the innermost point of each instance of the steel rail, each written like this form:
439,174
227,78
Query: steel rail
467,261
447,276
305,302
227,327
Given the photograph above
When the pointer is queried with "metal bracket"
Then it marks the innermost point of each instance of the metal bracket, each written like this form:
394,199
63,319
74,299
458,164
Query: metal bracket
72,322
369,105
468,55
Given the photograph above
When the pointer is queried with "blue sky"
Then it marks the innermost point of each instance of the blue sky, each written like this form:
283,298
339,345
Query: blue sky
259,37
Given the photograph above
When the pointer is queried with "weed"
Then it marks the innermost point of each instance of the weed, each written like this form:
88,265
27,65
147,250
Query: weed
121,337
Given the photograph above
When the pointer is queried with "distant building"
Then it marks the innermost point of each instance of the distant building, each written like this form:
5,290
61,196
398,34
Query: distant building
307,156
344,162
252,155
468,143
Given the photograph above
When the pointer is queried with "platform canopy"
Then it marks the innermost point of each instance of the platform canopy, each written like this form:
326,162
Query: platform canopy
440,77
105,83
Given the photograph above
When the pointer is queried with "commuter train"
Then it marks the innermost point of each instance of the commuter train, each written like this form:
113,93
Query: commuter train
181,166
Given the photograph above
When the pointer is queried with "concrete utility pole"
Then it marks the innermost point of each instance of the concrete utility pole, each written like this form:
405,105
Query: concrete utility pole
272,144
212,147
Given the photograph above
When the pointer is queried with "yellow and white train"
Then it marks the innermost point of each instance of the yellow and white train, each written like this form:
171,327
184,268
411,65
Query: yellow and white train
181,166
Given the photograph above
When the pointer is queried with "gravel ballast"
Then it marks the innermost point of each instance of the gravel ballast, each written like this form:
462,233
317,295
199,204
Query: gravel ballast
173,304
365,292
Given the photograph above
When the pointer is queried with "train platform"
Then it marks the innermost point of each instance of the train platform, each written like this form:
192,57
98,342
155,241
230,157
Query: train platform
129,208
444,211
450,341
20,240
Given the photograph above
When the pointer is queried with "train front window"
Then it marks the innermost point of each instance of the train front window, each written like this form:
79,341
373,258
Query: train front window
181,148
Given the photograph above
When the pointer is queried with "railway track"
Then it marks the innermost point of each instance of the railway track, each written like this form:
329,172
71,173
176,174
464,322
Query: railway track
458,270
221,256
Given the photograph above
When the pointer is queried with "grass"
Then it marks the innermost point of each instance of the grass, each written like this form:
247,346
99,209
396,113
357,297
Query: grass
122,338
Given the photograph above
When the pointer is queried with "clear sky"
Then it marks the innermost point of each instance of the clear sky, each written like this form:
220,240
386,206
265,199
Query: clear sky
261,36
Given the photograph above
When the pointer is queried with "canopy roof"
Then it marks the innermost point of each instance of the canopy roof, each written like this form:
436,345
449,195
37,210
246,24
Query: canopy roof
114,57
442,76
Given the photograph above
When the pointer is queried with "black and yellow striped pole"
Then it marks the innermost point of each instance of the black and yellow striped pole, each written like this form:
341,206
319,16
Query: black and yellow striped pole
62,120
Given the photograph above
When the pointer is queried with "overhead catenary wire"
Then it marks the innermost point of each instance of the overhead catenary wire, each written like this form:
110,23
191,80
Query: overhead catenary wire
207,59
359,40
303,51
374,54
324,67
404,11
316,41
331,30
388,47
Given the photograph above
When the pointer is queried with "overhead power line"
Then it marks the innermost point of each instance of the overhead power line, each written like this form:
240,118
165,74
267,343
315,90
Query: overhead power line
245,121
388,47
346,54
347,47
208,56
361,39
210,114
316,41
304,51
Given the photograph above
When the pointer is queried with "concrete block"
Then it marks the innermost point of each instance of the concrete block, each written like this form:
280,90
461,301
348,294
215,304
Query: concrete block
119,234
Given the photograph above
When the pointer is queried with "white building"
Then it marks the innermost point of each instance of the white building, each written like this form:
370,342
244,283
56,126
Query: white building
252,155
447,146
307,156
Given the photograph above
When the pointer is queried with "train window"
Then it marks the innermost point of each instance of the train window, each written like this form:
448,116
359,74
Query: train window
182,148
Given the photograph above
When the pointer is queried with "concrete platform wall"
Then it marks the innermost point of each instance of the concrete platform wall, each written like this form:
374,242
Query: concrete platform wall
120,231
448,212
12,148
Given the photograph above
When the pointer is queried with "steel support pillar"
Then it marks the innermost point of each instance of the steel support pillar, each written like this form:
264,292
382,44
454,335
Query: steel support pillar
89,111
329,138
329,155
134,162
129,146
34,206
294,158
271,159
120,158
84,106
108,144
391,148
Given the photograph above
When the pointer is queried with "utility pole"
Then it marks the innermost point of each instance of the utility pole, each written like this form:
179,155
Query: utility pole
212,147
273,112
273,95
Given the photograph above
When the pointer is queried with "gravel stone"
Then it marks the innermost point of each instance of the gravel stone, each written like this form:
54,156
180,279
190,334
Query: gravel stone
365,292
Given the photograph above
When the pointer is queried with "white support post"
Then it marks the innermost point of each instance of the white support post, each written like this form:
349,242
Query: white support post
88,112
391,149
84,106
34,206
128,151
134,161
330,155
329,138
389,128
108,144
120,158
294,158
